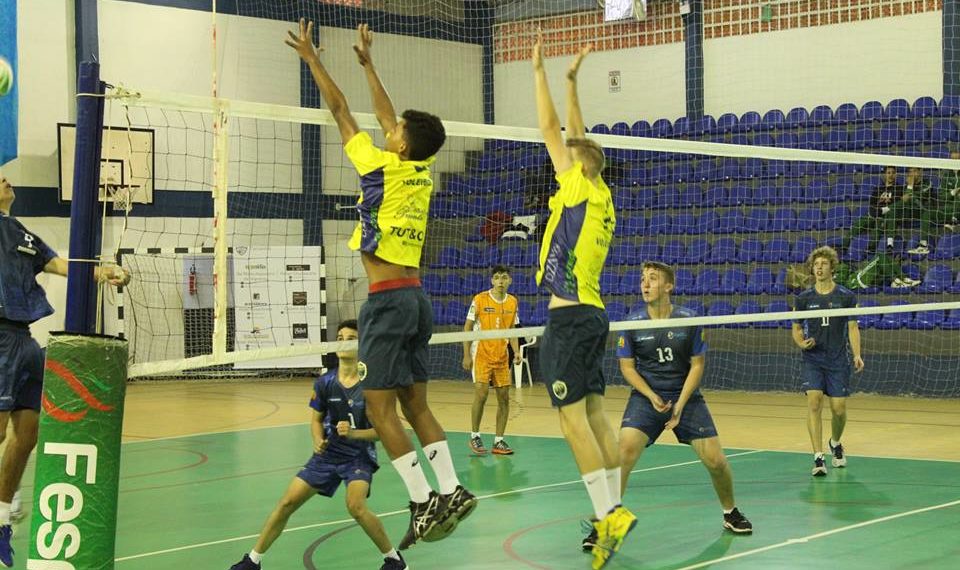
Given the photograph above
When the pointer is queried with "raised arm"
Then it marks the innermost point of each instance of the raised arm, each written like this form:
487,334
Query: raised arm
575,128
336,102
547,113
382,105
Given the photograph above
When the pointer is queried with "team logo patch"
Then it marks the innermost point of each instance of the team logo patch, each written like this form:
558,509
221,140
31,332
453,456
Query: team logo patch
559,389
362,370
670,334
621,342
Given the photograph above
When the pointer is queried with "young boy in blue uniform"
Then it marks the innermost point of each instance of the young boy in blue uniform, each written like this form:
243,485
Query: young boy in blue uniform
343,452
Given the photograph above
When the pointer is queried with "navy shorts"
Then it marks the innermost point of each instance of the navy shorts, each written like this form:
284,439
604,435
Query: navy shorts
833,382
571,353
21,369
695,421
326,477
395,329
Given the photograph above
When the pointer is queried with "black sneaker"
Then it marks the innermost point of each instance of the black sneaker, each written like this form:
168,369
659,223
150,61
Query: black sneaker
424,518
476,446
839,459
245,564
590,540
394,564
459,504
819,467
501,448
736,522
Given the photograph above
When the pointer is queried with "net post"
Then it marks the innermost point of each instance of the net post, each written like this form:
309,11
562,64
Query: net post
78,453
84,229
221,247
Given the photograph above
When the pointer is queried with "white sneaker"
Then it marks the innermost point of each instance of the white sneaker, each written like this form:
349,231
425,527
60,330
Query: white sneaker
950,227
16,507
912,282
919,250
899,284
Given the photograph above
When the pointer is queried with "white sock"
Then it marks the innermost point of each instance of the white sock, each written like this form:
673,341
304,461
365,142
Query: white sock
613,485
439,455
818,455
392,554
4,513
726,512
923,243
255,557
474,434
408,466
596,482
834,443
889,242
497,439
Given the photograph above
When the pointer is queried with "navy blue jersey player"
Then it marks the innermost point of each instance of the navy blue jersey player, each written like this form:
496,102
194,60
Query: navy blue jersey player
664,366
23,255
343,452
826,359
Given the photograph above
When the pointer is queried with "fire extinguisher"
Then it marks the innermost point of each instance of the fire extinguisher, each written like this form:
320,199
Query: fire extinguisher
192,280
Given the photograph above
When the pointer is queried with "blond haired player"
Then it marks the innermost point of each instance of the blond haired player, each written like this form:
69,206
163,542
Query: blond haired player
489,360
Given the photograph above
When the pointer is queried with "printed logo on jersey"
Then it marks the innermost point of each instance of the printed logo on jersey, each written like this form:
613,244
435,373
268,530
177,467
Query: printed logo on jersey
361,370
559,389
670,335
621,342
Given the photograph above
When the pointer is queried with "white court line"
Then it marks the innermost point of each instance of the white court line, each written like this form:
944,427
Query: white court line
392,513
805,539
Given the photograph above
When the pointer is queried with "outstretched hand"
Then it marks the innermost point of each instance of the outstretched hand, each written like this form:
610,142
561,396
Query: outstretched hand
575,66
538,50
364,42
303,44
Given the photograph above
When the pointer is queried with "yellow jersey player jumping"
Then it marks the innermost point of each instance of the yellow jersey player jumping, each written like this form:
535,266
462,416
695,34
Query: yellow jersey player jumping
573,253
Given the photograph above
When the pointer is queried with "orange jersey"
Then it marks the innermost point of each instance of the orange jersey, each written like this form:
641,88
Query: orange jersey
489,314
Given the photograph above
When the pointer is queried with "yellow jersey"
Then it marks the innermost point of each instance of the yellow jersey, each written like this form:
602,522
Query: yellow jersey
577,238
489,314
394,202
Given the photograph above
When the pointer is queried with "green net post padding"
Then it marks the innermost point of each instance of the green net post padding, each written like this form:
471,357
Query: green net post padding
78,454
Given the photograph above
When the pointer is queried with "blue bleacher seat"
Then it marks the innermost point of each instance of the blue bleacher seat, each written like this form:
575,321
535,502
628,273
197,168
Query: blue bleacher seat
943,131
640,129
620,129
777,250
524,284
681,127
454,313
474,283
471,256
696,252
750,250
600,129
760,281
703,125
888,135
630,282
706,222
696,306
860,138
816,191
802,248
952,321
662,128
757,220
867,321
915,132
938,279
845,190
894,321
748,307
763,139
708,281
616,310
809,219
772,119
723,250
727,122
525,313
732,282
947,247
751,169
682,172
926,320
955,287
668,197
729,170
631,225
790,193
438,311
897,109
719,309
539,315
609,283
691,197
836,139
449,257
648,251
673,251
810,140
846,113
685,223
837,218
660,173
820,115
796,118
715,196
749,121
871,111
857,250
683,282
949,106
431,283
660,224
738,196
766,193
786,140
924,107
730,222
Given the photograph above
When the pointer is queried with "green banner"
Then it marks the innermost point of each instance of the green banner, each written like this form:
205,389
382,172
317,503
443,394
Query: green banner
74,522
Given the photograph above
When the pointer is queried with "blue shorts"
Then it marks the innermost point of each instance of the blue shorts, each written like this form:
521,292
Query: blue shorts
571,353
395,329
695,421
834,382
325,476
21,369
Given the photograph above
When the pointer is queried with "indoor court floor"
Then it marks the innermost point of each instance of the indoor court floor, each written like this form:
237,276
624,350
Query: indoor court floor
204,464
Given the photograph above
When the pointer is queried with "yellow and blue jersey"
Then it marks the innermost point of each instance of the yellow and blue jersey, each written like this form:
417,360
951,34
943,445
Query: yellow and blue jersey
662,356
577,238
394,202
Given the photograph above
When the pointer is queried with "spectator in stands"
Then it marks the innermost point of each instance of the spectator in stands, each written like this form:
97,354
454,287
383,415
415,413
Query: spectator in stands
943,211
879,271
884,197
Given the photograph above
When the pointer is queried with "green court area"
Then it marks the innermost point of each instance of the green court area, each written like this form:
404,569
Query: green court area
199,501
